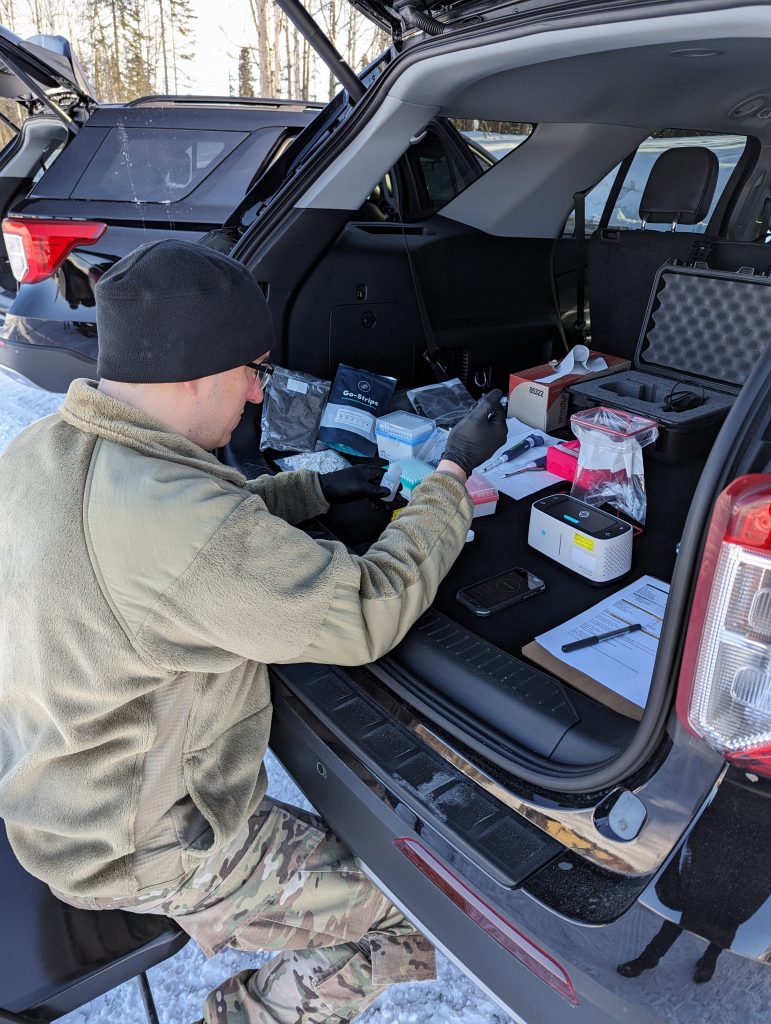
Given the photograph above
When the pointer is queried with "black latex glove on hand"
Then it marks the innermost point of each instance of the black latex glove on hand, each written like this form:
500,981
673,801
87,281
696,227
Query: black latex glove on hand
352,484
481,432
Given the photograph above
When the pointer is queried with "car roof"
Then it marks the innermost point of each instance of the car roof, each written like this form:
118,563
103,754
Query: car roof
198,112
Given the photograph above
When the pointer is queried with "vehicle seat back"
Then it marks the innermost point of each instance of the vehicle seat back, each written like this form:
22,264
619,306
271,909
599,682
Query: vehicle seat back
20,161
622,264
26,154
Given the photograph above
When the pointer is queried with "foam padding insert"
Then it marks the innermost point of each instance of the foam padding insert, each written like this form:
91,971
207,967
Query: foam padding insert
637,391
706,325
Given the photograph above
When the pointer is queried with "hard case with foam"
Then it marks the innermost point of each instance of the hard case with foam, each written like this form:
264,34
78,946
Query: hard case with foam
703,332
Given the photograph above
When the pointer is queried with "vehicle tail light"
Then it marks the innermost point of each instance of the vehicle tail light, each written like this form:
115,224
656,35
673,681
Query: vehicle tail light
497,927
724,692
37,248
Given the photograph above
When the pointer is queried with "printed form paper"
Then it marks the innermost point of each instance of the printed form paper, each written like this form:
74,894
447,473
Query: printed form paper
625,663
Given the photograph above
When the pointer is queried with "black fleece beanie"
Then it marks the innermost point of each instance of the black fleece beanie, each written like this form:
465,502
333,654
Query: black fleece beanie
172,311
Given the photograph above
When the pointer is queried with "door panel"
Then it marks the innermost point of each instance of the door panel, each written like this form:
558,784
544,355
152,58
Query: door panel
488,299
358,306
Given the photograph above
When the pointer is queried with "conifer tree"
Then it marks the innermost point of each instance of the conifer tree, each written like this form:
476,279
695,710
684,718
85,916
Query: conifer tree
245,80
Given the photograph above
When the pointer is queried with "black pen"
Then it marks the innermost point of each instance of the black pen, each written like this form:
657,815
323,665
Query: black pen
590,641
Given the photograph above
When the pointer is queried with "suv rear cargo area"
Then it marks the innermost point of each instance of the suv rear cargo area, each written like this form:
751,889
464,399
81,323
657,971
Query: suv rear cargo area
467,674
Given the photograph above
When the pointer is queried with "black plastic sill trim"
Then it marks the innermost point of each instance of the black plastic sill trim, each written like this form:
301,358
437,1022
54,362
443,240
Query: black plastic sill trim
504,845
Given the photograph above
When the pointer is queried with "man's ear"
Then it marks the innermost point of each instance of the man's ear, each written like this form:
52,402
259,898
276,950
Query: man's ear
192,387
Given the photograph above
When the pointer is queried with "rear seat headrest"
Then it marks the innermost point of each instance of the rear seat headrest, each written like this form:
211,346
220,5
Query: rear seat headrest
680,186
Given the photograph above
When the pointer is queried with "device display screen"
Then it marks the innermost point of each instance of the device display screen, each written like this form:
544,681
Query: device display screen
506,588
588,520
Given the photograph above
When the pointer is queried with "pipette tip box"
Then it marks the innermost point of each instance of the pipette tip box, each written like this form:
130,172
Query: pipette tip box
413,472
400,434
483,494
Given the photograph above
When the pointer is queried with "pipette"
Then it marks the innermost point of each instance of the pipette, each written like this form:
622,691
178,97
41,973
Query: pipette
531,467
531,441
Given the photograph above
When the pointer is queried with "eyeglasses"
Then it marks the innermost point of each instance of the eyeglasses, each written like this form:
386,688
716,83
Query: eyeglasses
262,372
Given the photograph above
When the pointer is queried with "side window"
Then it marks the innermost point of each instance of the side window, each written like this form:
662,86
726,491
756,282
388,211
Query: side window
441,173
205,153
440,165
490,141
626,210
382,203
594,204
427,177
436,175
12,117
153,165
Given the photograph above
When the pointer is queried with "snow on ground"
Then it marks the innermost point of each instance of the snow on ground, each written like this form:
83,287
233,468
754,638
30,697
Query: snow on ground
180,983
21,404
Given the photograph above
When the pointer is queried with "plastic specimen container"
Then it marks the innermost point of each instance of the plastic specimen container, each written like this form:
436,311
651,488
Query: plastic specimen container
483,494
391,479
400,434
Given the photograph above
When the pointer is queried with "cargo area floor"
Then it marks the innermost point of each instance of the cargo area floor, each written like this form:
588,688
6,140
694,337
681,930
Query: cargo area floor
467,674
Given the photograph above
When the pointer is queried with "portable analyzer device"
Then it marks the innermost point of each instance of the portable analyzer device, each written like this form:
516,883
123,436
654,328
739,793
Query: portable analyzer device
580,538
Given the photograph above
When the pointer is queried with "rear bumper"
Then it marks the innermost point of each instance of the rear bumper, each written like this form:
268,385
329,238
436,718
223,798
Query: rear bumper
369,819
50,366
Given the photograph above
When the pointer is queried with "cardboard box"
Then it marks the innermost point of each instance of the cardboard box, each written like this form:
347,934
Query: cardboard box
545,406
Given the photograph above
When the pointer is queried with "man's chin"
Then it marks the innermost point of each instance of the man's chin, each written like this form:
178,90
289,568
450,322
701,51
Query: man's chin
222,441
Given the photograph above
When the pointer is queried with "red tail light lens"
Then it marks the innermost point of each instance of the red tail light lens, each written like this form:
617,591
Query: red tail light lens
37,248
724,693
531,956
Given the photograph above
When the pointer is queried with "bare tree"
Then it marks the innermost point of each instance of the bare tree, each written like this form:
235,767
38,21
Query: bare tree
138,74
182,16
260,16
164,27
8,14
130,47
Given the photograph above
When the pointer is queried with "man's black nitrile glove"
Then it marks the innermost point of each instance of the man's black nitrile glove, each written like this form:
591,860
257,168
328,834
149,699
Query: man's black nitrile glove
481,432
352,484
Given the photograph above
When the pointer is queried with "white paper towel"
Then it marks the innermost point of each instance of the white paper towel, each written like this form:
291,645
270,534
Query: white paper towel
576,361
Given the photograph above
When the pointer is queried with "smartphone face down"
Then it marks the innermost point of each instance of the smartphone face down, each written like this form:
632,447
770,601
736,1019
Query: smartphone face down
501,591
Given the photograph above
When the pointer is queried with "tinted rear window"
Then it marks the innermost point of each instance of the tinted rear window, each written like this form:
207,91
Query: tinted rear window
153,165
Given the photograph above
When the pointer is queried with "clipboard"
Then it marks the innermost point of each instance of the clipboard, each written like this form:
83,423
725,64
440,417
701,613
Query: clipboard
618,671
580,681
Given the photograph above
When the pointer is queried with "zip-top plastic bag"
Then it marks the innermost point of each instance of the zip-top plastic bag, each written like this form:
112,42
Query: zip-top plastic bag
325,461
357,398
445,402
291,411
610,459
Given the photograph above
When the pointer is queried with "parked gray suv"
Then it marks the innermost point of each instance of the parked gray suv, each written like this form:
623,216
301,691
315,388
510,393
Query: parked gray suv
83,183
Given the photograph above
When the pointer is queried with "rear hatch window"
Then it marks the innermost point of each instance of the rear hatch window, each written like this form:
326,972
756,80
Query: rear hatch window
153,165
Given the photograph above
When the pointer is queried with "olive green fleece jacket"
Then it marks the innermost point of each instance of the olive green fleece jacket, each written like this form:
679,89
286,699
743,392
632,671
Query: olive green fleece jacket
144,587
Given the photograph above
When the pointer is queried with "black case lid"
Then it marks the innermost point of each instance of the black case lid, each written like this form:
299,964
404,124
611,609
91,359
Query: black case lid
705,325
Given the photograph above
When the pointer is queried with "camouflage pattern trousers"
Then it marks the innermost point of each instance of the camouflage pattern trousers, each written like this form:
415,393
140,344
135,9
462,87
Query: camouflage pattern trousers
287,883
